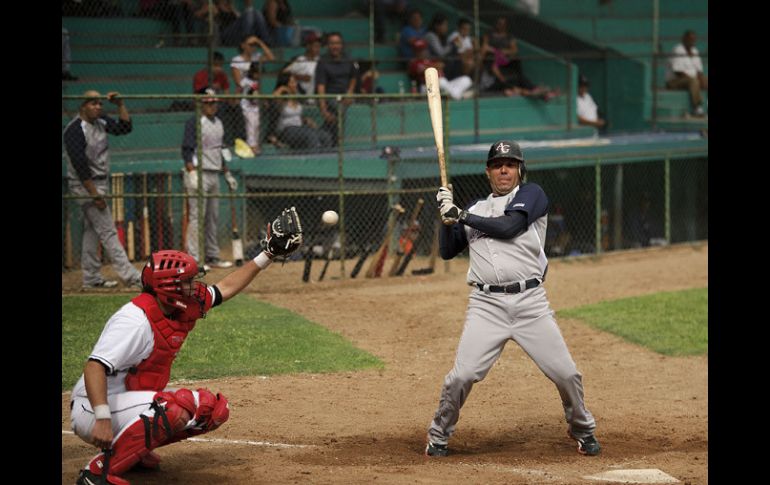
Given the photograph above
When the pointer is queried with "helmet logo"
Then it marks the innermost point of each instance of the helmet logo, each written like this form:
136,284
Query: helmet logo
503,148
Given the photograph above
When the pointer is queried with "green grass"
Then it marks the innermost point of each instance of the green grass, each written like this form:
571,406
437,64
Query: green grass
674,323
242,337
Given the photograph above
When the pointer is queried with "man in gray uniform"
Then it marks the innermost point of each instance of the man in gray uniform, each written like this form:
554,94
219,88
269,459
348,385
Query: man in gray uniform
212,133
505,234
88,168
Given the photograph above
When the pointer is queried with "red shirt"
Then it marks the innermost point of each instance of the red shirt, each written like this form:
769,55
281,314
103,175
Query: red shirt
417,68
201,80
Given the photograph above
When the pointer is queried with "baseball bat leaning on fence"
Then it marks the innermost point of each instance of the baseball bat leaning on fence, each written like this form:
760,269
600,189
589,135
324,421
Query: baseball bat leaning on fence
375,266
436,120
237,243
130,223
308,263
433,254
326,264
145,220
405,235
184,217
360,263
119,209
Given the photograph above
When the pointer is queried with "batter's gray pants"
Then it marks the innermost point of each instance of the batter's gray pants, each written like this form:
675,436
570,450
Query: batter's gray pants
491,321
98,226
210,215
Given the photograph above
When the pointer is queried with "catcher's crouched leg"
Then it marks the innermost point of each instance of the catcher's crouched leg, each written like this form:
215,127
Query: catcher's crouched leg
178,415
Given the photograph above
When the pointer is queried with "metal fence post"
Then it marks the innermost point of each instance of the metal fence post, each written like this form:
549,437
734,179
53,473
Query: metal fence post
667,198
598,215
199,201
340,165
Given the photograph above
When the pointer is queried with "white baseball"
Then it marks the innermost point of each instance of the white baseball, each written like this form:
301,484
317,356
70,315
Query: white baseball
330,218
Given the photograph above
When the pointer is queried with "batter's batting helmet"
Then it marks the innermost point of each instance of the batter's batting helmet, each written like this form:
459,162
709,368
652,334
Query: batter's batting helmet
510,150
165,272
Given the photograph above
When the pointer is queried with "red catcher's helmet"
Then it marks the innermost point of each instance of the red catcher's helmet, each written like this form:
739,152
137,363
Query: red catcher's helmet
165,273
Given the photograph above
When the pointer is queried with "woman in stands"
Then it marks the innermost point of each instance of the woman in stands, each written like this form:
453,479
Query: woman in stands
292,128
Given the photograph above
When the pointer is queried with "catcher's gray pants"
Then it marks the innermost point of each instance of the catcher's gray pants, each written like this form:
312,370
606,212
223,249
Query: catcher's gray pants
211,218
491,321
98,226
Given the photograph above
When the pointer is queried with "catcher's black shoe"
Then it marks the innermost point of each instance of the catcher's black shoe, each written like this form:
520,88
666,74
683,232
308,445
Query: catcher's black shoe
436,450
586,446
87,477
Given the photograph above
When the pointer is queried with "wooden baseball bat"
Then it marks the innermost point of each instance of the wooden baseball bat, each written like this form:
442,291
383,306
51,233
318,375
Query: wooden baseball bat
145,220
405,234
308,264
433,253
360,263
436,119
131,246
326,264
407,259
119,211
377,261
237,244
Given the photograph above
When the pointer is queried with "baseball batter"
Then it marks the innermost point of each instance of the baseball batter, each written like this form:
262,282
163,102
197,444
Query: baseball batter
505,234
121,403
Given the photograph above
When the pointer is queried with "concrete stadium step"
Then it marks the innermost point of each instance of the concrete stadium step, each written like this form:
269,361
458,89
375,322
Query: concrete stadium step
554,8
608,30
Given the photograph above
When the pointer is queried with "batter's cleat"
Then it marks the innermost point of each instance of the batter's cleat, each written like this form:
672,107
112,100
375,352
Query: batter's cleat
586,446
88,477
101,284
436,450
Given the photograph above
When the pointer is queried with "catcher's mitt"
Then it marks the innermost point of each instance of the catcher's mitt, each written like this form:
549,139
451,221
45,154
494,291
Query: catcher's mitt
284,235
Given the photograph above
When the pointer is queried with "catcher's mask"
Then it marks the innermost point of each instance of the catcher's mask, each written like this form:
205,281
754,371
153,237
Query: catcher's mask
505,149
170,275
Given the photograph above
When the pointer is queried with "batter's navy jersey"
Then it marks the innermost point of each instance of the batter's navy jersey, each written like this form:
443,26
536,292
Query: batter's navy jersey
502,261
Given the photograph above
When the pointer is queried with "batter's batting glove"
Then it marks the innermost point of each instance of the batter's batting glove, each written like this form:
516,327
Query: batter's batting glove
231,181
445,194
450,213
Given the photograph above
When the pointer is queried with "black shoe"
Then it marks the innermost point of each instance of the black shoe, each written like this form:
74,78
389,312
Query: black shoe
587,445
87,477
436,450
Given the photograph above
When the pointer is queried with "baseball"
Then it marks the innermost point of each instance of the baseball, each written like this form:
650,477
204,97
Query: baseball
330,218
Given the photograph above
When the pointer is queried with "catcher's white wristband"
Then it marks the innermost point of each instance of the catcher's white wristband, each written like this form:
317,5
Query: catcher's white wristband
262,260
102,411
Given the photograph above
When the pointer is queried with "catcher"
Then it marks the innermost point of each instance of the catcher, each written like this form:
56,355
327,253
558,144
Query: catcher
121,403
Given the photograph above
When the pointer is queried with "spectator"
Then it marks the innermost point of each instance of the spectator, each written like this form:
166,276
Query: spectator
382,10
250,107
684,70
88,171
249,52
66,57
417,66
410,32
234,26
465,44
303,66
503,70
178,13
293,129
439,46
334,74
219,80
369,76
587,111
280,22
211,134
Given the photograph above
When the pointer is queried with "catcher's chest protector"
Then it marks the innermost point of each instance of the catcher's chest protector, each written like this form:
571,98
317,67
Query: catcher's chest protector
152,374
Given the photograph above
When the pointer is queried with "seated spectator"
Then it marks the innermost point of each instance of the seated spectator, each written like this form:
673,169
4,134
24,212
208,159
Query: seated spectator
465,44
249,52
684,70
417,66
369,75
587,111
293,129
234,26
219,81
410,33
502,67
280,23
303,66
335,73
176,13
439,46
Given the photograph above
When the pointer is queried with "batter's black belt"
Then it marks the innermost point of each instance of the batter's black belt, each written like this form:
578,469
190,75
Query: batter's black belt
514,288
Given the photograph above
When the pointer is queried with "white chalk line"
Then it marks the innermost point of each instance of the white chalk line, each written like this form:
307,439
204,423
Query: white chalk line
235,442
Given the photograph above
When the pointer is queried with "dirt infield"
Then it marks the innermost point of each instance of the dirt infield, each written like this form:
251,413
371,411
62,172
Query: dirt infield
651,410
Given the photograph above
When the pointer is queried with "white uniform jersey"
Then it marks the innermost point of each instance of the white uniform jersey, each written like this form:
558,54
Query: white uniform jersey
126,340
505,261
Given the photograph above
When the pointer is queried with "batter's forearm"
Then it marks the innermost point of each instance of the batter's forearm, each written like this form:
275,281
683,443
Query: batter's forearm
506,226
